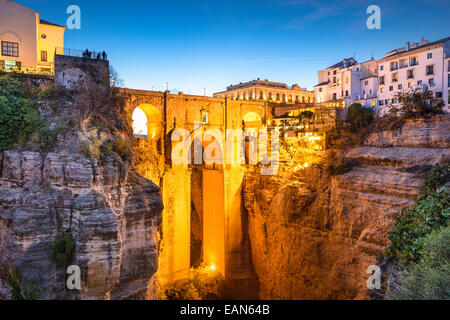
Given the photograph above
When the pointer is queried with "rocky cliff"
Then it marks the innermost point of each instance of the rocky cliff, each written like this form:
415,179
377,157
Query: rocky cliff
112,214
314,236
82,183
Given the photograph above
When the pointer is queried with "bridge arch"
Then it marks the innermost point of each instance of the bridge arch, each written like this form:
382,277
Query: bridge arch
252,120
151,125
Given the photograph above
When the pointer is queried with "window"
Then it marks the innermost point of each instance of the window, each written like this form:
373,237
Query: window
320,89
339,82
391,88
381,90
334,72
448,97
44,56
381,102
414,61
410,74
10,49
430,55
448,84
346,80
278,97
430,70
366,83
438,94
394,100
261,95
409,84
386,102
382,80
204,117
419,83
394,77
10,65
270,95
431,82
346,93
381,68
400,87
334,96
334,79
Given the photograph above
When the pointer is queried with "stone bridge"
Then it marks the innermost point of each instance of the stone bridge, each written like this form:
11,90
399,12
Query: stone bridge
203,218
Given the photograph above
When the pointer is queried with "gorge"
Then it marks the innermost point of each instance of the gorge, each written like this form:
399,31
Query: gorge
140,223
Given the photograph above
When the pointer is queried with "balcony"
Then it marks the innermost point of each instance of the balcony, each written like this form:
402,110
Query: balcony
414,63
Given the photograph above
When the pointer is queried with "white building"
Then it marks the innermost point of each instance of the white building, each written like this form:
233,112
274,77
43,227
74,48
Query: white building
347,82
423,65
27,42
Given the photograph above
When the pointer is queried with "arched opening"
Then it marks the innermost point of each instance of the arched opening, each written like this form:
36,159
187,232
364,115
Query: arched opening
252,120
147,122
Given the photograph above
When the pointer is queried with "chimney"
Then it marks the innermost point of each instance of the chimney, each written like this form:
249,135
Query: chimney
408,46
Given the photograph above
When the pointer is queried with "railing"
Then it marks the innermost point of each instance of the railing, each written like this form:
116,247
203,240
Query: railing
81,54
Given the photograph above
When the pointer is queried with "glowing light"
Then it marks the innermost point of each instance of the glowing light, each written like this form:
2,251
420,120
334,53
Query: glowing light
306,165
212,267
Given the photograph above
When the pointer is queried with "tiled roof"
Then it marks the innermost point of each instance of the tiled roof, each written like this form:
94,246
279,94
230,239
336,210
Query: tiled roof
418,47
322,84
50,23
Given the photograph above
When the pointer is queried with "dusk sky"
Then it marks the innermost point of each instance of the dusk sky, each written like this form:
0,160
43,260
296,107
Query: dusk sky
212,44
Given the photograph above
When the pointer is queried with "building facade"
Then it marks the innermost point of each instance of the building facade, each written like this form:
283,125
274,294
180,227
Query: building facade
347,82
27,42
417,66
267,91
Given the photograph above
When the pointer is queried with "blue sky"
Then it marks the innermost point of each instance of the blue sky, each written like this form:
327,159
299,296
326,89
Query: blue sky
195,44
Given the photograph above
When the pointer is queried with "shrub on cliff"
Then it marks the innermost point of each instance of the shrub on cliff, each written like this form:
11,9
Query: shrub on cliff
120,146
430,278
436,178
415,104
414,224
19,116
359,117
63,250
22,289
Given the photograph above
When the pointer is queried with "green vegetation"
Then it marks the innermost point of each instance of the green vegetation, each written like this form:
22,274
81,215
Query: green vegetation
359,117
420,242
19,116
415,104
22,289
436,178
119,146
428,279
414,224
63,250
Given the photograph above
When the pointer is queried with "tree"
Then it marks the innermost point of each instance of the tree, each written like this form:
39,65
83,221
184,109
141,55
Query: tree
359,117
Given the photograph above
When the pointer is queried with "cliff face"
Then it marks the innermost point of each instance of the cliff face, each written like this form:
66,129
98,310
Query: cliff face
314,236
112,214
